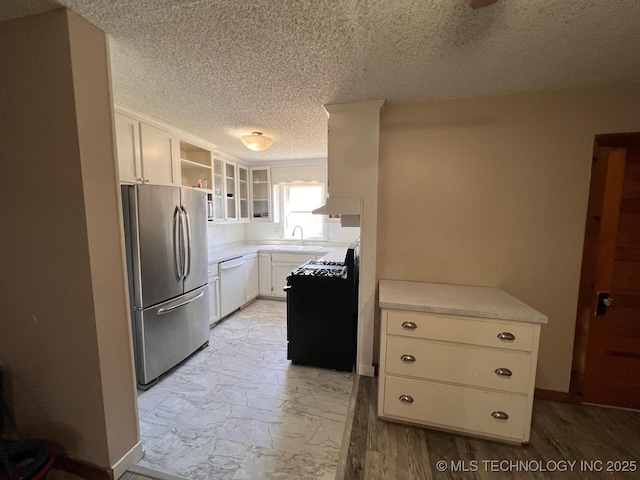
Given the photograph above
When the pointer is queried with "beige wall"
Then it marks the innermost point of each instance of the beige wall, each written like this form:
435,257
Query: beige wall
65,337
493,191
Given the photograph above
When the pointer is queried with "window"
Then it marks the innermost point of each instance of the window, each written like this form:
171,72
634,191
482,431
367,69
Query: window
297,201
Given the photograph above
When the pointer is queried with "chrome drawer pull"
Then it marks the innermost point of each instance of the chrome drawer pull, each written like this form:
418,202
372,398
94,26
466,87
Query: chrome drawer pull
503,372
500,415
506,336
409,325
408,358
408,399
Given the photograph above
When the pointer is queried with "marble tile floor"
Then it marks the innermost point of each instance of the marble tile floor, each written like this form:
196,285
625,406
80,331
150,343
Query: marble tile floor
239,410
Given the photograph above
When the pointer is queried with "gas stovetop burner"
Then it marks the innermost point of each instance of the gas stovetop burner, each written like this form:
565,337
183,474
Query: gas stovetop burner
326,262
321,269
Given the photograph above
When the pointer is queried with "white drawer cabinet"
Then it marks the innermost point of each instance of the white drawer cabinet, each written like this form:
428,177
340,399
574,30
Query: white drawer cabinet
469,374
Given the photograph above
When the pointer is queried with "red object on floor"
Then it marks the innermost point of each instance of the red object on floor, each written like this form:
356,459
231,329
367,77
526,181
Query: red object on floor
28,459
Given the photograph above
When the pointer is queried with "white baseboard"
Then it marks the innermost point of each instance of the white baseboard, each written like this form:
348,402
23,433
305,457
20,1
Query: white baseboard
157,474
130,458
366,370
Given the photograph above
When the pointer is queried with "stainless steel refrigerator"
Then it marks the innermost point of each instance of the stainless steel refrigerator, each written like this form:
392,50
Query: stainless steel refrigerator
167,263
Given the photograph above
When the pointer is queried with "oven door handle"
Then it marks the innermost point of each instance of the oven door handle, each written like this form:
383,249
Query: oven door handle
287,287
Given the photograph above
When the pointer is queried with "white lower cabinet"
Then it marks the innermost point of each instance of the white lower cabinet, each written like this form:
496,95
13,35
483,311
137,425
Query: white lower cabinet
264,283
280,272
251,269
468,374
214,293
282,264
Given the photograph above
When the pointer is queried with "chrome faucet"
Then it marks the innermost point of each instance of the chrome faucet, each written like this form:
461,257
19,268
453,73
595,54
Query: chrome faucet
301,234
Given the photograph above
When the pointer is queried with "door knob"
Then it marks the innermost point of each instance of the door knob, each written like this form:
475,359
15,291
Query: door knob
604,301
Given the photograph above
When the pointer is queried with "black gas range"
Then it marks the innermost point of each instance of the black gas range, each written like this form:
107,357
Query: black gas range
322,312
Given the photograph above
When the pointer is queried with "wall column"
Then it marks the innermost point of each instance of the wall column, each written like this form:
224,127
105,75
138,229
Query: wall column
353,173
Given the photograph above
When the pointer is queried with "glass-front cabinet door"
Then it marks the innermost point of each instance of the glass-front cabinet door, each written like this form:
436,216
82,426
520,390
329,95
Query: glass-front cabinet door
230,190
260,190
243,193
218,190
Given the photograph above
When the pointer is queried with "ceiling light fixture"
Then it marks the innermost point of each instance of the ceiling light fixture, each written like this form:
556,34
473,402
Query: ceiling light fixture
482,3
256,141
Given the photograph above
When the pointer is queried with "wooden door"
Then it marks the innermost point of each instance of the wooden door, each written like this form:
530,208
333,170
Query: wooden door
607,354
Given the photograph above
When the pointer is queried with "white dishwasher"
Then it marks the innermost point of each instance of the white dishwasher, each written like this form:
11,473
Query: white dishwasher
232,286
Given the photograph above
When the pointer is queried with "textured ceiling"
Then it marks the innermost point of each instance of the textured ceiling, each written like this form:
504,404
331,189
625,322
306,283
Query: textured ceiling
223,68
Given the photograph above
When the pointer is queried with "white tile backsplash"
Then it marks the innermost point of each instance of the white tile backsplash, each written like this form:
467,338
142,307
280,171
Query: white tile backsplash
234,233
220,234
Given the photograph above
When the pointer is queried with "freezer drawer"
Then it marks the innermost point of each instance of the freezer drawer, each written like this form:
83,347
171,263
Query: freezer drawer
168,333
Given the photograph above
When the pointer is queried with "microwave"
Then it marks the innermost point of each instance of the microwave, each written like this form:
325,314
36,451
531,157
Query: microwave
210,210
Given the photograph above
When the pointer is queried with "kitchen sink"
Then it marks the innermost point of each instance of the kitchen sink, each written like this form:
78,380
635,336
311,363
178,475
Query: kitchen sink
299,248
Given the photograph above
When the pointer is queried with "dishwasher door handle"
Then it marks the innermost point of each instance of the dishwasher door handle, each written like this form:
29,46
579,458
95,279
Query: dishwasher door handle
228,267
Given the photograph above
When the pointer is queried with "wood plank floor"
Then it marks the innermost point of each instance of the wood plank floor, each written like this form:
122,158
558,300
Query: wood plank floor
595,438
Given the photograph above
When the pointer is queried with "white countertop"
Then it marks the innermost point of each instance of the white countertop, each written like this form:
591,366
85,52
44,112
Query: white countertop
464,300
217,255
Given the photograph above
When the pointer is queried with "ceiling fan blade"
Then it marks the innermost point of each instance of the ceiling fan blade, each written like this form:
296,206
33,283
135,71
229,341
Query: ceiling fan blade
481,3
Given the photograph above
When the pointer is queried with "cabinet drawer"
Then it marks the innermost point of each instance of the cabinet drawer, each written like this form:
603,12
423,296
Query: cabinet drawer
458,363
454,407
474,331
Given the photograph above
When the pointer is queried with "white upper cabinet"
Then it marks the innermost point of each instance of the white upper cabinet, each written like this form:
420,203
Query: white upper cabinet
150,151
243,193
128,149
260,194
195,166
218,190
159,155
230,191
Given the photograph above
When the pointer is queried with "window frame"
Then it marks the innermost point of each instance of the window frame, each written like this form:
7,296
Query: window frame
281,212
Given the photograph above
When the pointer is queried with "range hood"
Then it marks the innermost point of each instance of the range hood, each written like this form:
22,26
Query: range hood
340,206
349,209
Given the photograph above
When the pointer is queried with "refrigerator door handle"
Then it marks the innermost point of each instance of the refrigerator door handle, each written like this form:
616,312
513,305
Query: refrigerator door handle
188,229
162,311
177,254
